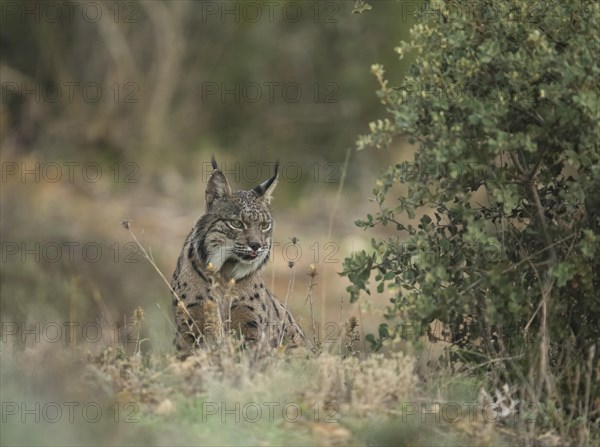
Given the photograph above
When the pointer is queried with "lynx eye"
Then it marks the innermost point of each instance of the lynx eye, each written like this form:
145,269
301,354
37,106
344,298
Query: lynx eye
236,224
265,226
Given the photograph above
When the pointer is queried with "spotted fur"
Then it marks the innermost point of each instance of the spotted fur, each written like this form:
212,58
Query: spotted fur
217,279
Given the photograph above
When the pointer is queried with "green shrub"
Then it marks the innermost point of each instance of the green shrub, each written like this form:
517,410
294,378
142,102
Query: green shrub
498,232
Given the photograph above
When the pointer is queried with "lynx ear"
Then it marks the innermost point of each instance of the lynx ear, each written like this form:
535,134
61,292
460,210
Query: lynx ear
217,187
265,189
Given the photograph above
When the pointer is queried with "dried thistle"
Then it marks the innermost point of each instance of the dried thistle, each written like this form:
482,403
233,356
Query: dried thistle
138,317
352,334
309,298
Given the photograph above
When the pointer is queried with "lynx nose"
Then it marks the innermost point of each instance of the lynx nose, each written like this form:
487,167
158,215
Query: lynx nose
254,246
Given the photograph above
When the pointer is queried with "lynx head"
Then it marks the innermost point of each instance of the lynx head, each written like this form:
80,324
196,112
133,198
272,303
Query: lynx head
235,233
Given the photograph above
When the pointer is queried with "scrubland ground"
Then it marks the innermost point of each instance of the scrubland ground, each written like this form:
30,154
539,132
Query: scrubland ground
58,396
86,333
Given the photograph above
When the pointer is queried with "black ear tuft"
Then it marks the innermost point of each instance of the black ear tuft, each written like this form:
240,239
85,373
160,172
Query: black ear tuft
265,189
213,162
217,187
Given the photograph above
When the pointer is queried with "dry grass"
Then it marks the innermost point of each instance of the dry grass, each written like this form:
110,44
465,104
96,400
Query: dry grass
226,396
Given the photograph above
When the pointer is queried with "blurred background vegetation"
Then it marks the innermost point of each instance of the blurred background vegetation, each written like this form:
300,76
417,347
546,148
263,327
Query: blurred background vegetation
128,100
